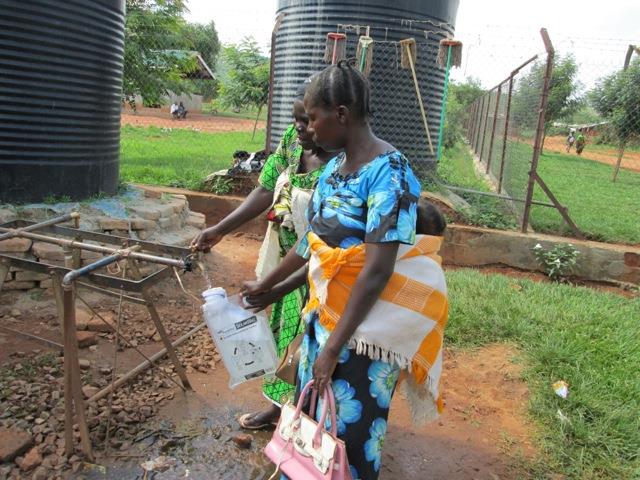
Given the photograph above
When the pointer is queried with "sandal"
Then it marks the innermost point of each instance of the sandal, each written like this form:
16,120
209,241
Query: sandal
243,421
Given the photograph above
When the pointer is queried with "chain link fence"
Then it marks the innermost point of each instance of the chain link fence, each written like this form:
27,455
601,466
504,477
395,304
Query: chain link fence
556,141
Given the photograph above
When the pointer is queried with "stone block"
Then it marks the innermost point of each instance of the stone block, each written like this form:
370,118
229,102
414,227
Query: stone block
179,196
18,245
82,319
196,220
97,325
13,443
31,460
142,224
86,339
143,234
46,284
178,204
152,193
146,211
13,285
48,251
120,233
7,215
165,223
182,237
108,223
27,276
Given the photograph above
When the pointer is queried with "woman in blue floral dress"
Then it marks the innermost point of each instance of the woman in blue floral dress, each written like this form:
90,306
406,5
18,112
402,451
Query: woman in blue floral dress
367,194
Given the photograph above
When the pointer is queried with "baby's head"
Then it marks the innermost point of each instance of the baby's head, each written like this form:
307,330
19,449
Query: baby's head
430,221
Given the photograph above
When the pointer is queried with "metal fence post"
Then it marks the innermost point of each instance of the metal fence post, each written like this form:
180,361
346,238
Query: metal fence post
507,116
495,123
477,142
484,126
540,128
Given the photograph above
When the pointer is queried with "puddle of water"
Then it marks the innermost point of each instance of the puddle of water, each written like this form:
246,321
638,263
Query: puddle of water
202,448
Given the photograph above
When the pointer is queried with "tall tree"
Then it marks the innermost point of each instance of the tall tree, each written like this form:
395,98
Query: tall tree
461,96
247,84
151,70
563,93
617,98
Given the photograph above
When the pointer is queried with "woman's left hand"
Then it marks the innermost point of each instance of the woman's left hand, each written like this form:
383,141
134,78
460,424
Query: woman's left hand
323,369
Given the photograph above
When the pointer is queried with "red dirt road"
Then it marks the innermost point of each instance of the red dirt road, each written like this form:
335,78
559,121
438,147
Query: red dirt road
630,160
160,117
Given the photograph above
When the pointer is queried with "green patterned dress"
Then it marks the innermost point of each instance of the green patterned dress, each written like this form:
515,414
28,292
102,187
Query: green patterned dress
285,315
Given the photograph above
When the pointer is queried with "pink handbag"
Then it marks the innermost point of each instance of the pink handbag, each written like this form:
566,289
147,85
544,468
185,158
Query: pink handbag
302,449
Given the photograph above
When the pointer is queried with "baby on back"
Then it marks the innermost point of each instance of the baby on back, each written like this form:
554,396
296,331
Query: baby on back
430,221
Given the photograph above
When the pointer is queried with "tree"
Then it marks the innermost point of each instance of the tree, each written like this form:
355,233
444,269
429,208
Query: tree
201,38
461,96
617,98
563,94
247,84
151,68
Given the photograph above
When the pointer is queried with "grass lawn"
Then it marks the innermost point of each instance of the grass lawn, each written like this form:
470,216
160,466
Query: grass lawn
180,157
602,209
589,339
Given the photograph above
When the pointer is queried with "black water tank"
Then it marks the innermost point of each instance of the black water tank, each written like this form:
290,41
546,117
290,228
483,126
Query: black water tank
300,45
60,92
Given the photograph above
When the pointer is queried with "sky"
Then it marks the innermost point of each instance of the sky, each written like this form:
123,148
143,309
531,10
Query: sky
497,34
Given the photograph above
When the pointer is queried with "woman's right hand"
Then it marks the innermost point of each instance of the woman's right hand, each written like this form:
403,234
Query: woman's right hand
253,288
207,239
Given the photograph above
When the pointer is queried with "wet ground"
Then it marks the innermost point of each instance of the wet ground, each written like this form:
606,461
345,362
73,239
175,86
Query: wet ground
483,433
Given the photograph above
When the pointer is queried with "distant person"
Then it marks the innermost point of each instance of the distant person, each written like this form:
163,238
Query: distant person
182,112
581,141
174,110
571,139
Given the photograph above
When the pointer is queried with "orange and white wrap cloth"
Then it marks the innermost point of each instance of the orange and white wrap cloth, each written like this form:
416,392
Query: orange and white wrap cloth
406,324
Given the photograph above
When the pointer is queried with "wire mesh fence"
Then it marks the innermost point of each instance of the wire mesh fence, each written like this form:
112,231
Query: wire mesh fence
570,168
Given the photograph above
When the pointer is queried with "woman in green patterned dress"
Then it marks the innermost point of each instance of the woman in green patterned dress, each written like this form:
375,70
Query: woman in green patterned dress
296,165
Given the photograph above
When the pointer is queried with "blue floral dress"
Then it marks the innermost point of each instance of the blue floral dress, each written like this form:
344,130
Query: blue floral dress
378,203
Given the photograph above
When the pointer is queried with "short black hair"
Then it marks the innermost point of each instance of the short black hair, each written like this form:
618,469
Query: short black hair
430,220
341,84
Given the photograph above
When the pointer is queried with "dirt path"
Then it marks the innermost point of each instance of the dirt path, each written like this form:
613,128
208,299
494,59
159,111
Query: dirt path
155,117
630,161
482,434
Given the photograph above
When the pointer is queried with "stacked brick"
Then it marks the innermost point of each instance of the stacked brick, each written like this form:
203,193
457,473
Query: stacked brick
163,219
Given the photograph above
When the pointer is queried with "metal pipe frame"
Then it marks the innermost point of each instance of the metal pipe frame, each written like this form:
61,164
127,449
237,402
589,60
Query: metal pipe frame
36,226
64,288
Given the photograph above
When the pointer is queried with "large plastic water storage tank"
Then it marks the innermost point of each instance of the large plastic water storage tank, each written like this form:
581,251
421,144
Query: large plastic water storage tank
60,92
300,45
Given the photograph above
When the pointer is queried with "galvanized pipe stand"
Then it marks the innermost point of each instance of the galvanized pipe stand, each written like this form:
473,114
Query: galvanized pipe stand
67,280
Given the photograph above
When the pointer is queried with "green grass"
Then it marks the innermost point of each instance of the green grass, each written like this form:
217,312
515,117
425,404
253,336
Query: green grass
179,157
602,209
456,168
589,339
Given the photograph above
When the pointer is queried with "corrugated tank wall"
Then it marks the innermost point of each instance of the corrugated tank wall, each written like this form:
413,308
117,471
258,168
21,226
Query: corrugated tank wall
61,66
300,45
